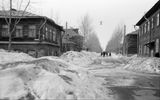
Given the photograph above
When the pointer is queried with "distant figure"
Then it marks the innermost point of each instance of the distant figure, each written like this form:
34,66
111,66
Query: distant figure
109,54
103,54
106,53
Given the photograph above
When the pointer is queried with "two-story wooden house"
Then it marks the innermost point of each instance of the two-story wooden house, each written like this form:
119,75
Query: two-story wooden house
130,43
31,33
149,34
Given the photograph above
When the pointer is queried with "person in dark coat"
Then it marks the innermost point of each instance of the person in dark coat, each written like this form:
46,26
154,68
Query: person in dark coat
109,54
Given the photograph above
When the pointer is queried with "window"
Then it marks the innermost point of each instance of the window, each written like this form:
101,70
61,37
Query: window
148,26
46,33
140,32
144,28
144,50
147,50
158,19
50,35
5,31
54,36
157,45
32,31
139,49
152,23
19,31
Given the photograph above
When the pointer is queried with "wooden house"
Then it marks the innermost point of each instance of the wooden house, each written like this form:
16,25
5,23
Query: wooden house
149,33
31,33
130,43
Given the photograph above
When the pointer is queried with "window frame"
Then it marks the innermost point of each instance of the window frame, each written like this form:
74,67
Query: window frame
152,22
148,28
19,31
32,28
157,19
5,31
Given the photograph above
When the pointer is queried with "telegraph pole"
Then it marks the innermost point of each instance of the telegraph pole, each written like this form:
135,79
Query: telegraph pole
9,26
124,45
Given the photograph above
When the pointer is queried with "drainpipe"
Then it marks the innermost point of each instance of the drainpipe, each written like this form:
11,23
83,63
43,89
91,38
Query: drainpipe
45,20
149,32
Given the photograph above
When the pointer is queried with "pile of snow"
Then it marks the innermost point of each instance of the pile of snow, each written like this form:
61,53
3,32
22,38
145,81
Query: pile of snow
47,78
10,57
82,58
150,65
110,60
114,55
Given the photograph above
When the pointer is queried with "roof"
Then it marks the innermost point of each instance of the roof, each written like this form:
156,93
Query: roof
25,14
133,33
70,33
149,13
65,41
16,14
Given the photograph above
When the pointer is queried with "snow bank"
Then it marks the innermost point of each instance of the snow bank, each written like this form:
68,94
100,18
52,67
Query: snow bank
82,58
10,57
150,65
47,78
134,63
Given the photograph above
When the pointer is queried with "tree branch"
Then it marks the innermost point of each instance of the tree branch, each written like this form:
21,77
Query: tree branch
17,21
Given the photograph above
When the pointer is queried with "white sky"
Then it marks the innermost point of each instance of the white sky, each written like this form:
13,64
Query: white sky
110,12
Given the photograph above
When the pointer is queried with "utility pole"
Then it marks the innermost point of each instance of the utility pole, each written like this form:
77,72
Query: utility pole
9,26
124,45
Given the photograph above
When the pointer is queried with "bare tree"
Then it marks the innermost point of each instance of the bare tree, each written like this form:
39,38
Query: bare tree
56,17
93,43
9,15
86,27
115,43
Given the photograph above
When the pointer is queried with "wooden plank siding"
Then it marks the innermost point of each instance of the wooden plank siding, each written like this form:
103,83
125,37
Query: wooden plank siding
37,44
130,44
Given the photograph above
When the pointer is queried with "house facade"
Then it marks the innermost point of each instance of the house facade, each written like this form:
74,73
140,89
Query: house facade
32,34
130,43
149,33
72,40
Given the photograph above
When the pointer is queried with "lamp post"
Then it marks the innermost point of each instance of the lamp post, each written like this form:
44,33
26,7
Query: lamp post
124,41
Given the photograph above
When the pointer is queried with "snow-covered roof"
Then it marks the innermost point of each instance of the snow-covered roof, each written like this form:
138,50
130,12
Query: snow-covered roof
16,14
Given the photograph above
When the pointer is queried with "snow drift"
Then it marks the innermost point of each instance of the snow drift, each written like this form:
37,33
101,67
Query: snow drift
145,64
82,58
28,78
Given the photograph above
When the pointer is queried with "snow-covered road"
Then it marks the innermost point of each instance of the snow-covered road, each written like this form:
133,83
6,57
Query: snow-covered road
124,84
78,76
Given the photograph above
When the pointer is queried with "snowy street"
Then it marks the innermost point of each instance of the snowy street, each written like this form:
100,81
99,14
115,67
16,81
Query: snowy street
127,85
77,76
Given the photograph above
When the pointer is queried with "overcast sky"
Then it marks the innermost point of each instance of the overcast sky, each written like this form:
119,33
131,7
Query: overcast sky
110,12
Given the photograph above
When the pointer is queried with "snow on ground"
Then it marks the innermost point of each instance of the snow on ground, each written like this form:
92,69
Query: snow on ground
144,64
29,78
10,57
134,63
82,58
65,77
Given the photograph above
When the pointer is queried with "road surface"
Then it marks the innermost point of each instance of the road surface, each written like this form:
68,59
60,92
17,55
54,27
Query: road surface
126,85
